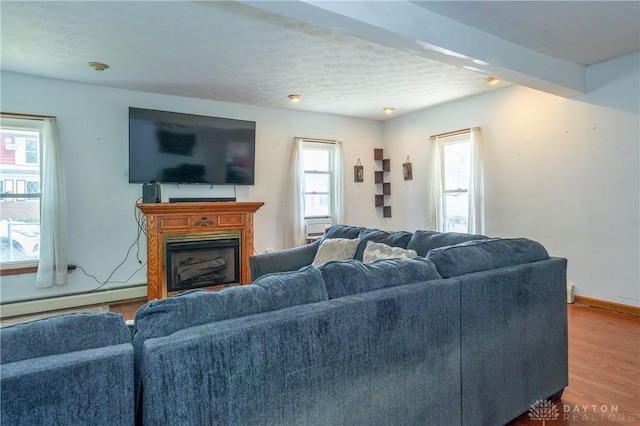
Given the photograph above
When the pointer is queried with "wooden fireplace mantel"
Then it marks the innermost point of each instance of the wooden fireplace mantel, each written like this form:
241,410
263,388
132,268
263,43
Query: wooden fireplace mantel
192,218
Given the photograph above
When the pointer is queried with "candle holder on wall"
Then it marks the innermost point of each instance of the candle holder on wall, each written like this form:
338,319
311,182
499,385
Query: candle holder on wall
358,172
407,170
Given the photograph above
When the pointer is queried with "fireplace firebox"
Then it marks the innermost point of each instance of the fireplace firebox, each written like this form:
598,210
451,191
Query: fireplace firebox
196,264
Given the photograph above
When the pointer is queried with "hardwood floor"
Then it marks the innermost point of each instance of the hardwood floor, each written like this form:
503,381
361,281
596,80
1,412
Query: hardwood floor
127,309
604,371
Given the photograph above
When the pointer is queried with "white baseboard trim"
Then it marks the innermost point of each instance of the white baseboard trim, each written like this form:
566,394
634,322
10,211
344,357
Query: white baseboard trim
73,301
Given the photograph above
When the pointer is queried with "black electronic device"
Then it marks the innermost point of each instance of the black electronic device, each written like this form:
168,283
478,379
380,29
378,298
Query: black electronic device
151,193
201,200
171,147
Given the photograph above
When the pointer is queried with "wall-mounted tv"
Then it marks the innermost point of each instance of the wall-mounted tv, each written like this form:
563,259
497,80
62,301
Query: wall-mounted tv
171,147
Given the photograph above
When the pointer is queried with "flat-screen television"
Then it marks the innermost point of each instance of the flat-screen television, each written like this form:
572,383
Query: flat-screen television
171,147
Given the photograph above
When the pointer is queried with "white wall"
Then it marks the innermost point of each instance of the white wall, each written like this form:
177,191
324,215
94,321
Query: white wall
560,171
93,127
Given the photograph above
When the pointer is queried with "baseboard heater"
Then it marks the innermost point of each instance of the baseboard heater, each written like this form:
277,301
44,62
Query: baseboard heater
34,306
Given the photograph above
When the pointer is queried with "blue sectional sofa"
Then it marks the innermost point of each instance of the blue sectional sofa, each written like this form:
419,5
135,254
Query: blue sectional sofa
467,330
471,331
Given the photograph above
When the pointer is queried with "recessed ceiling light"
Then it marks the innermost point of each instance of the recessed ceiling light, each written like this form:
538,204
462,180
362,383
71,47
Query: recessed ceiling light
98,66
295,98
388,110
492,80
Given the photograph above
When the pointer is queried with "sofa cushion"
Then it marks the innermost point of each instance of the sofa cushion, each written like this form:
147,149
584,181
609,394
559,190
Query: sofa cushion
383,358
353,276
483,255
343,231
62,334
335,249
267,293
293,288
378,251
290,259
422,241
393,239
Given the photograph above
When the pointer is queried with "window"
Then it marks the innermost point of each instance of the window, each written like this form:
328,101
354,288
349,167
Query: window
319,179
456,191
456,166
316,190
20,177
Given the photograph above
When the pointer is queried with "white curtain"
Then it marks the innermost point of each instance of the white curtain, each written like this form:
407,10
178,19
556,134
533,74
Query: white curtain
52,267
295,206
435,212
294,212
476,185
338,167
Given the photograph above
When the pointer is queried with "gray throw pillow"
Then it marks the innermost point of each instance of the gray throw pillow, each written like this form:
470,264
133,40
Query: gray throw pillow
378,251
333,249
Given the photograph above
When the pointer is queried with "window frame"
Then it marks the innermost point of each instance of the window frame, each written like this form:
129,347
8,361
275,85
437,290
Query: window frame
24,123
329,147
464,138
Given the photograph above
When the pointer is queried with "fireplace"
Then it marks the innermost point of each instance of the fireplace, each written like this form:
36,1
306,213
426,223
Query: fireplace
193,262
206,222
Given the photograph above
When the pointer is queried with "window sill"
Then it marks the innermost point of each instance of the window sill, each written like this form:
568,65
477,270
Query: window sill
28,268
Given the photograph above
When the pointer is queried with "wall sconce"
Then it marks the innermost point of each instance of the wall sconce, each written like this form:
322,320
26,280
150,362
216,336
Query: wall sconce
407,170
358,172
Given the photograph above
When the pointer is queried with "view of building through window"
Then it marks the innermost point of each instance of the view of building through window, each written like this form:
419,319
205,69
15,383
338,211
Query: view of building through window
456,165
20,186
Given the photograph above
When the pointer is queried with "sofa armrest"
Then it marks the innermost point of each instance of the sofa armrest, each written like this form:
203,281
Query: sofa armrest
513,332
283,260
62,334
88,387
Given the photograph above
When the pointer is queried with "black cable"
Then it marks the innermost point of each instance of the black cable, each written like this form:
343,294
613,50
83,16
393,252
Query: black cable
103,283
142,229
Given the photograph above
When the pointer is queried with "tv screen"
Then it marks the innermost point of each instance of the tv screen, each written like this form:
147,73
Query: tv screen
171,147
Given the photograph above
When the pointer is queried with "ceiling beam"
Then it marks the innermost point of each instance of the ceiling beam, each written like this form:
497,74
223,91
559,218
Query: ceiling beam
407,26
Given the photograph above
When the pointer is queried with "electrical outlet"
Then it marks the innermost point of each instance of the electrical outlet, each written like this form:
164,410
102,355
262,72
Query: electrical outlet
268,250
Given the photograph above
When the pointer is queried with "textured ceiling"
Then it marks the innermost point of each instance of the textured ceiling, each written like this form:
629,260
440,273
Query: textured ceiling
232,52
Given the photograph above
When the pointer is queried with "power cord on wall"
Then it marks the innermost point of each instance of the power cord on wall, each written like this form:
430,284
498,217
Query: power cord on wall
142,229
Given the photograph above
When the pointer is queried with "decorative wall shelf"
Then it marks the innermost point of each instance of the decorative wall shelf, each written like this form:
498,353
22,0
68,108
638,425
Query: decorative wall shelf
380,179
